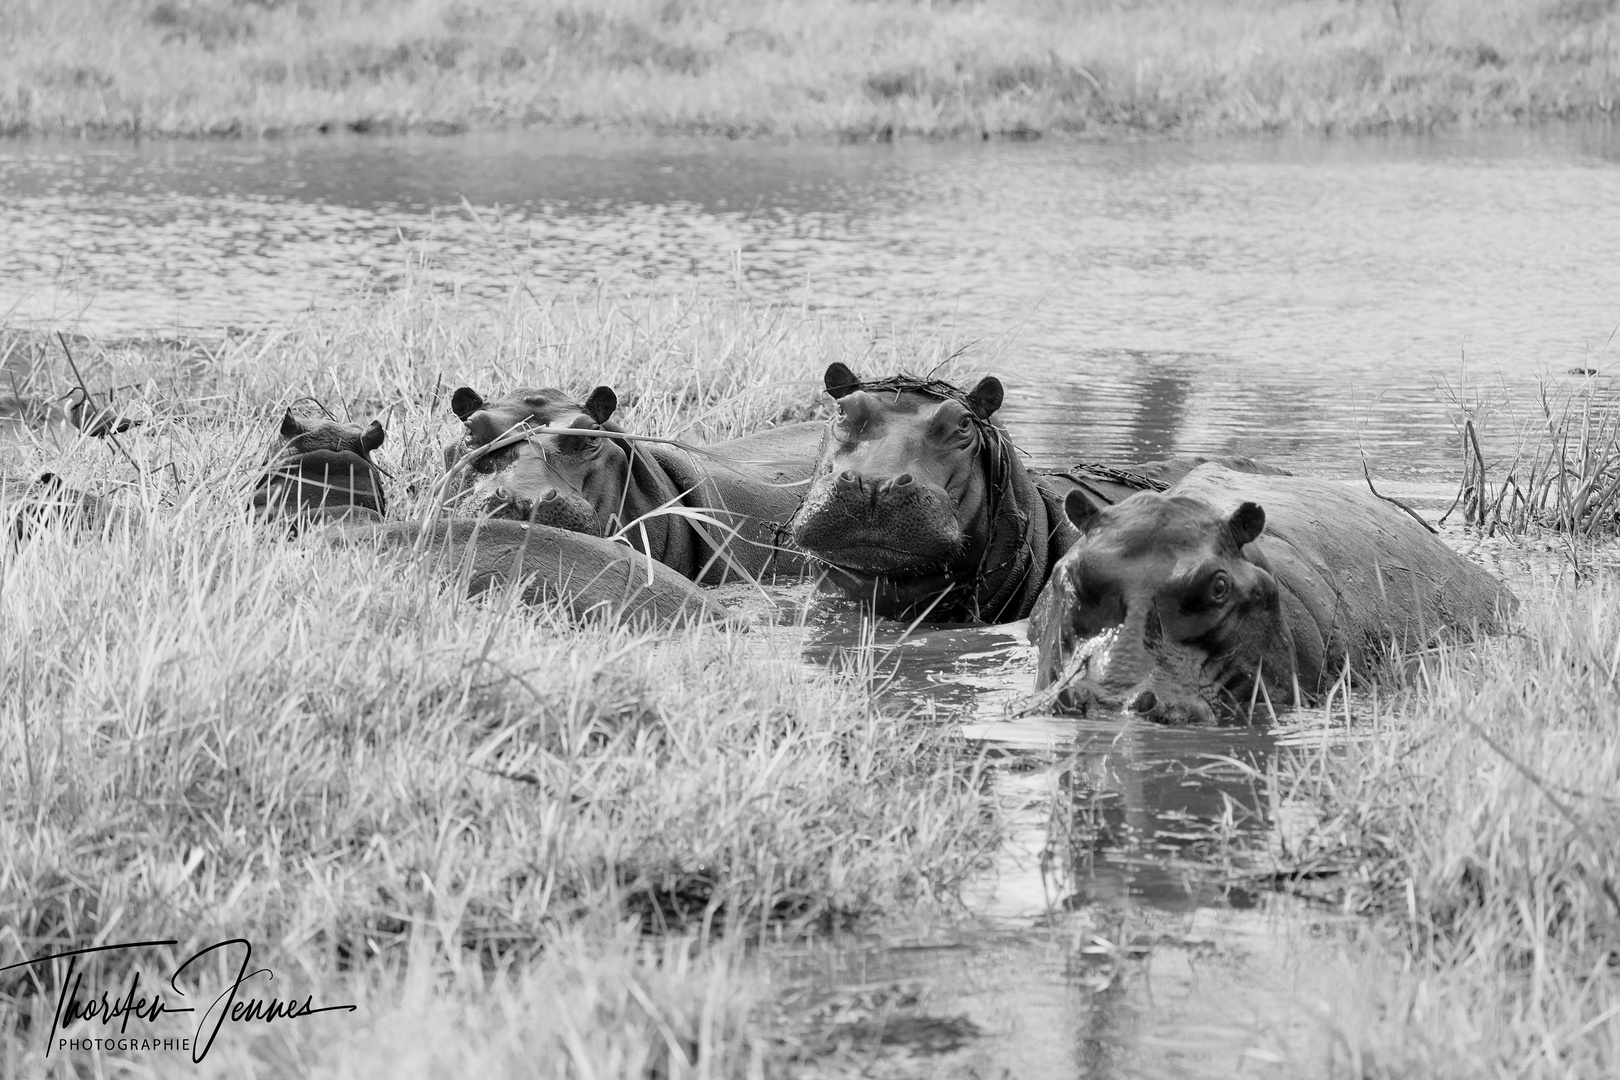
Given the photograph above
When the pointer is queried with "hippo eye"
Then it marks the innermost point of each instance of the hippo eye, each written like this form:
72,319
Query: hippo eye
578,446
1220,584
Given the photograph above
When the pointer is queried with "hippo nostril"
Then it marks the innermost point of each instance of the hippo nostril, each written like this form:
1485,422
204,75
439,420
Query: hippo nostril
547,496
1144,702
904,480
849,478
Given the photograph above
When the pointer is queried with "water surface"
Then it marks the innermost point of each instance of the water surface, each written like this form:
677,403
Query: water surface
1301,298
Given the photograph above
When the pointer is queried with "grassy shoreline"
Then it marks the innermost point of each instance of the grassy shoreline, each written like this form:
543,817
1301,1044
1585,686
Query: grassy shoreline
521,844
1477,827
844,69
525,847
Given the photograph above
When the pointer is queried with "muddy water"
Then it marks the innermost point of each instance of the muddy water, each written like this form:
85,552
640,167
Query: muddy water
1303,300
1126,927
1113,935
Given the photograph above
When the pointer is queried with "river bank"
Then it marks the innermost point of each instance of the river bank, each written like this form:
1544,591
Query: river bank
1473,821
832,69
459,816
465,815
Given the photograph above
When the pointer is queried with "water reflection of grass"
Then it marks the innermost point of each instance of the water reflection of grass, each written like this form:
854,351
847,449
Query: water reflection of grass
522,847
849,68
1480,826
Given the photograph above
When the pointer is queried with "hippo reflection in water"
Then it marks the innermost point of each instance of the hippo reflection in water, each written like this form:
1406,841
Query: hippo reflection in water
712,513
1231,591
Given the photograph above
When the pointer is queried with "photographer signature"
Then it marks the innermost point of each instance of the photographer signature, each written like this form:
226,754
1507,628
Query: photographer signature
234,1004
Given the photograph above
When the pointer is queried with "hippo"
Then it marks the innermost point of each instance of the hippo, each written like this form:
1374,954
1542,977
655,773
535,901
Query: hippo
587,575
919,506
713,514
321,473
319,468
1232,591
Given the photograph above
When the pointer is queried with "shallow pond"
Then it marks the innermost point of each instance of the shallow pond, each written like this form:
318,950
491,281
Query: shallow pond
1301,299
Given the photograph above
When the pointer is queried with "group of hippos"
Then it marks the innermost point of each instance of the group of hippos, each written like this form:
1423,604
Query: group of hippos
1190,589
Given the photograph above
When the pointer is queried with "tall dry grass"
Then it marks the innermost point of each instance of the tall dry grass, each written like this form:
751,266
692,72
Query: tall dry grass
848,68
1475,819
521,846
1558,469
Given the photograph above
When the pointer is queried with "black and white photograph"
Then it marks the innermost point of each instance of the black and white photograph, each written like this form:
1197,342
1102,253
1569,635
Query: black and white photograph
810,539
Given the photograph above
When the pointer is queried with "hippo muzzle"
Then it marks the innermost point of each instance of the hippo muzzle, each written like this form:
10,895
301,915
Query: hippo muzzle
879,524
557,509
1122,671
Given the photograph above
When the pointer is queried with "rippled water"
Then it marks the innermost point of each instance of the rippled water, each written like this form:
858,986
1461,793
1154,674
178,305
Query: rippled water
1124,928
1296,298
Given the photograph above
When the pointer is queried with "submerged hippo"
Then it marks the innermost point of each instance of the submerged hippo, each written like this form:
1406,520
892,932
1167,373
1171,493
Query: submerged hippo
1231,591
322,472
712,514
920,507
319,468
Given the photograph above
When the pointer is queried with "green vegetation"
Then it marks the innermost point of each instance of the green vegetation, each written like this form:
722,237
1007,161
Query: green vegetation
523,847
854,69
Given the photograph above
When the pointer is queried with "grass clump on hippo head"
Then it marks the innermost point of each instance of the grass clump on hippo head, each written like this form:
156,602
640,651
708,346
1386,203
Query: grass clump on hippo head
1231,592
319,468
918,505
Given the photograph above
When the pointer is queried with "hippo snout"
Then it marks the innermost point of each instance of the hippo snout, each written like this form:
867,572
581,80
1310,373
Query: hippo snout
1131,670
1143,702
874,490
866,524
550,507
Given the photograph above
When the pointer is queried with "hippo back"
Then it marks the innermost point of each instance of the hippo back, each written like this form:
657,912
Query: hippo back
1357,573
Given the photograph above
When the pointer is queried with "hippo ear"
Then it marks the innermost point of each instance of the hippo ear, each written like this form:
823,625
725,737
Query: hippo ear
574,444
600,405
464,402
373,436
985,398
841,381
291,426
1247,522
1080,510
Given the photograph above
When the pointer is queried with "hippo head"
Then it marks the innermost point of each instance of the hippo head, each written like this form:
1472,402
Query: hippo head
574,482
305,434
902,501
320,466
1163,609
